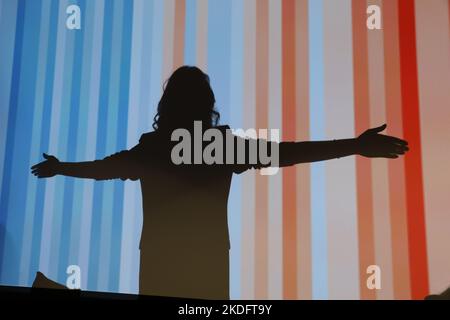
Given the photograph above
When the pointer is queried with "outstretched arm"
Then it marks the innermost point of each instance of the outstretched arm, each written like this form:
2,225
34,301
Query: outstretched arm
370,144
119,165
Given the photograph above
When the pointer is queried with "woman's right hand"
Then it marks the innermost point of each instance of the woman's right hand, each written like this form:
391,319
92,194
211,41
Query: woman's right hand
47,168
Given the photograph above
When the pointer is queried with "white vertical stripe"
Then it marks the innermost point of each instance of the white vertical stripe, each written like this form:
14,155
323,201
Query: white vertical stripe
202,34
340,173
169,27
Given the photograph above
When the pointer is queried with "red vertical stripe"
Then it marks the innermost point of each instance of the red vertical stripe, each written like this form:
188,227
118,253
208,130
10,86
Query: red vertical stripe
399,227
363,165
289,130
261,187
413,160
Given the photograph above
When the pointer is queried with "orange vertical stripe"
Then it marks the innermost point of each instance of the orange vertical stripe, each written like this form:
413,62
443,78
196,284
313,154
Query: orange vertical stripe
399,229
178,38
304,267
380,167
363,165
289,130
261,182
413,161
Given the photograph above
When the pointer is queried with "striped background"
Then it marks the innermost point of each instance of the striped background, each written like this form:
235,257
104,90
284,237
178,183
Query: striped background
310,68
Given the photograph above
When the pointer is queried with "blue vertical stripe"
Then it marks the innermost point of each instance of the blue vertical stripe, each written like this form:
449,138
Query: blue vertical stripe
84,113
44,138
19,150
110,147
219,36
62,197
317,132
35,152
8,17
141,38
91,134
116,234
190,44
6,246
100,145
49,212
71,142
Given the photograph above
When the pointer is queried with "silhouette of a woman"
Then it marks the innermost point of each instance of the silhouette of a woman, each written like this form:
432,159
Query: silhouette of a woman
184,243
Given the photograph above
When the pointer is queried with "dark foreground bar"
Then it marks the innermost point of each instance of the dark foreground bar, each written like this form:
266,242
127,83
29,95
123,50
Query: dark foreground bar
177,308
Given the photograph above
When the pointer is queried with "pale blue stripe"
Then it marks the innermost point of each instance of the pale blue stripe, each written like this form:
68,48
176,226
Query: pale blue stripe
146,74
110,145
156,80
145,123
96,225
91,136
219,62
47,263
61,182
82,130
118,209
317,132
44,140
219,31
141,9
190,44
73,115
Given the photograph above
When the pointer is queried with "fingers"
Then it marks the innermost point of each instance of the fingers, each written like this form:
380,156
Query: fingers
40,174
38,165
397,149
46,157
39,169
402,149
396,140
391,156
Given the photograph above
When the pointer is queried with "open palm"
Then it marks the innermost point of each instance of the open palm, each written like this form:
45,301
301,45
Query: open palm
47,168
372,144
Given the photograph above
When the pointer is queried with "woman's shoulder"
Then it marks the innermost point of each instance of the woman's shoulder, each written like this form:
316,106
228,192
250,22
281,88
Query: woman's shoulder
148,136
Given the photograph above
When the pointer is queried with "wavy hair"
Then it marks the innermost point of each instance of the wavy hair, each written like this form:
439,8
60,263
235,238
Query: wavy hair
187,97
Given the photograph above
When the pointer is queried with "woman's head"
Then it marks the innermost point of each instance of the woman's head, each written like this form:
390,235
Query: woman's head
187,97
